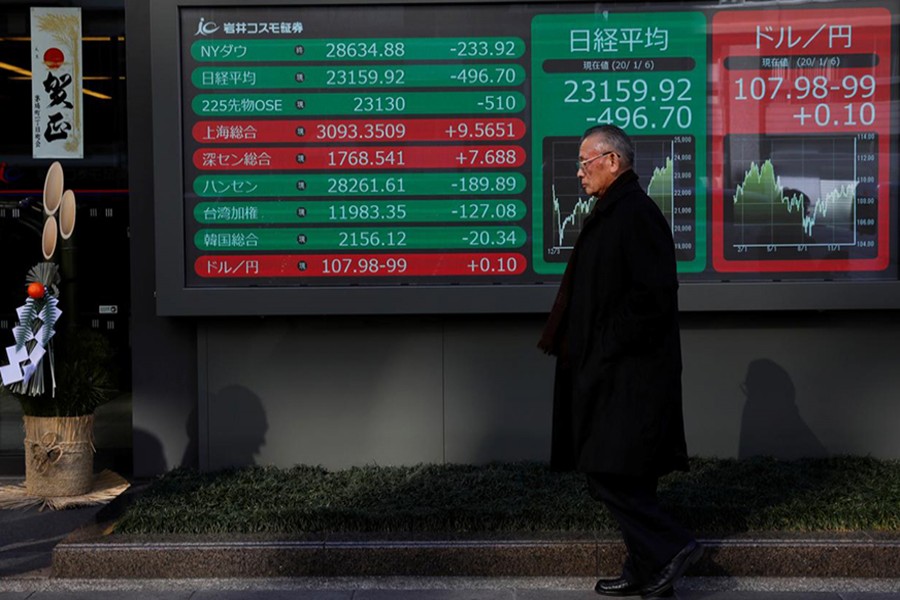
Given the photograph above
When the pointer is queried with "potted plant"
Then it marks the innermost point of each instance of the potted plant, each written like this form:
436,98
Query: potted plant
59,377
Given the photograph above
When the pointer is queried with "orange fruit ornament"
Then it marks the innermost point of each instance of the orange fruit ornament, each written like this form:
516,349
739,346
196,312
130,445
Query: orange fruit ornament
36,290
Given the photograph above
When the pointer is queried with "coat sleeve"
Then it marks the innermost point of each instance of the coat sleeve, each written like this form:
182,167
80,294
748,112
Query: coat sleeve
650,296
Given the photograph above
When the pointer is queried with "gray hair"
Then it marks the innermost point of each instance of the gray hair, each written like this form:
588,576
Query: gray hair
615,138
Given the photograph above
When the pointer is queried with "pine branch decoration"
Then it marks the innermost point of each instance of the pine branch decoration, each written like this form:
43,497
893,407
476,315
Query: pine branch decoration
47,274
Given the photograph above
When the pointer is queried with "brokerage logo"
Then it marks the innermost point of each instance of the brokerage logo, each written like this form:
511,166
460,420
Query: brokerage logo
204,28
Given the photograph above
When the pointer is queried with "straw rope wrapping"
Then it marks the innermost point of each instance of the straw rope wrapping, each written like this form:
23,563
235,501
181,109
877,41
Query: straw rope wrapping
106,486
59,455
49,450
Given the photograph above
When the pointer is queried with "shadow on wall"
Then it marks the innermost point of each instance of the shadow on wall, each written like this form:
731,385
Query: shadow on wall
149,449
777,451
191,457
237,429
771,424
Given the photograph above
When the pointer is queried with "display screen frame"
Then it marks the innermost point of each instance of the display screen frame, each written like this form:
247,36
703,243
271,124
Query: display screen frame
176,298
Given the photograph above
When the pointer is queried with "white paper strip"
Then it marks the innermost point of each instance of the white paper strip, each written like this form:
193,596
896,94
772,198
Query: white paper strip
11,374
37,353
16,356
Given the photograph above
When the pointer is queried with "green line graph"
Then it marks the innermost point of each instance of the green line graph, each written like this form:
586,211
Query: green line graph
567,228
761,193
661,188
761,199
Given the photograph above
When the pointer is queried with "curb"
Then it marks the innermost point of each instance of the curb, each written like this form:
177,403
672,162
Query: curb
88,554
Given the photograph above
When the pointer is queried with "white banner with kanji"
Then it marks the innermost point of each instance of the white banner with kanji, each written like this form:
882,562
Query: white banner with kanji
57,130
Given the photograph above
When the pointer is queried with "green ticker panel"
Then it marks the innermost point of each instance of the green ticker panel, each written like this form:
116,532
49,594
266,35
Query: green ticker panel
341,50
355,76
412,103
646,73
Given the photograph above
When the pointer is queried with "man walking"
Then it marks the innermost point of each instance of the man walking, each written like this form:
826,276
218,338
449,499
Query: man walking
617,413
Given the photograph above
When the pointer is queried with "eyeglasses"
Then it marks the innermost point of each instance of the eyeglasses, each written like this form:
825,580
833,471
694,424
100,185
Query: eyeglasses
581,164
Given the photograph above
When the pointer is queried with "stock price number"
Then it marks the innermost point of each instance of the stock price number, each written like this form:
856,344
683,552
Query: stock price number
590,91
388,265
636,103
364,131
379,104
365,185
818,87
364,158
371,239
366,212
365,49
360,77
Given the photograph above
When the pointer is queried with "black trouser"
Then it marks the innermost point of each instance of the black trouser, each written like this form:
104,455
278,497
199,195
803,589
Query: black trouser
651,536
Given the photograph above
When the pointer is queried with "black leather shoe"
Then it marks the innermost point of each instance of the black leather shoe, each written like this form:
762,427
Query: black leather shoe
620,587
663,581
617,587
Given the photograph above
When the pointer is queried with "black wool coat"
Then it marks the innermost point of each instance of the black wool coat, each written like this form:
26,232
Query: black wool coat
617,394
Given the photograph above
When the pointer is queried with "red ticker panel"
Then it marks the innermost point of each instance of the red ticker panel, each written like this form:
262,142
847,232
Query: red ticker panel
360,265
801,133
357,130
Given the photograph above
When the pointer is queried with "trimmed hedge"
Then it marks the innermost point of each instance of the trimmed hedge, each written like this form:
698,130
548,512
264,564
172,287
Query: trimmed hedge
716,497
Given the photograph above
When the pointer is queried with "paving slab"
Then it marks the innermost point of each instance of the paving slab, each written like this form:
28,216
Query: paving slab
503,594
111,595
585,594
273,595
28,536
733,595
450,588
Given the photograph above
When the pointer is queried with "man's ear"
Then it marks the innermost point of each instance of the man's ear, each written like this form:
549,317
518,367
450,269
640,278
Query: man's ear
615,164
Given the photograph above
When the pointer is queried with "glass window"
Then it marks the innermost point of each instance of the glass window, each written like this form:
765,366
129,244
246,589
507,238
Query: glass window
96,278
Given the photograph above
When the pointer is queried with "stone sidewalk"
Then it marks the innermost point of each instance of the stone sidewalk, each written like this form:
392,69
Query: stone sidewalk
69,555
342,588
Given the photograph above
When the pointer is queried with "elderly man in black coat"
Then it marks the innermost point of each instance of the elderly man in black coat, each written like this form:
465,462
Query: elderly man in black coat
617,399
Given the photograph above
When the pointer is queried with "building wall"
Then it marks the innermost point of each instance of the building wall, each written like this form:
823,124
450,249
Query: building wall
339,392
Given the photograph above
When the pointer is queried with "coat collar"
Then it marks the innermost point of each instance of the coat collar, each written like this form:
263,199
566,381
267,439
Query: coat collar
615,191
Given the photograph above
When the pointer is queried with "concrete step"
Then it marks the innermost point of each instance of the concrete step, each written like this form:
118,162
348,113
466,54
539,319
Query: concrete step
91,553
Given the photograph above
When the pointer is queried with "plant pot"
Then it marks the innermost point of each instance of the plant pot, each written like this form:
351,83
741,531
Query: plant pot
59,455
